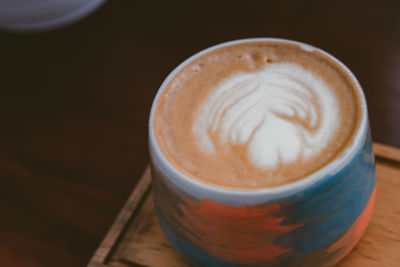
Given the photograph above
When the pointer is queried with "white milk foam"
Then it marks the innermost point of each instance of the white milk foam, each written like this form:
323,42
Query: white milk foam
281,113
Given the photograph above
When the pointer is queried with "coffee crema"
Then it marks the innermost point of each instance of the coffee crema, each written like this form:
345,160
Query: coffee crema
257,114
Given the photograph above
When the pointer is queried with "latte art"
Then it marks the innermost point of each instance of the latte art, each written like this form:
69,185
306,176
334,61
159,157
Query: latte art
256,115
279,113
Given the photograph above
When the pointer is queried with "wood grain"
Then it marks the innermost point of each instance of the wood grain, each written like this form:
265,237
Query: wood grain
387,152
142,242
127,212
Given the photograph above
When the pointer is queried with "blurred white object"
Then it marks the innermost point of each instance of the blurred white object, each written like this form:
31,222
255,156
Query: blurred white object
43,14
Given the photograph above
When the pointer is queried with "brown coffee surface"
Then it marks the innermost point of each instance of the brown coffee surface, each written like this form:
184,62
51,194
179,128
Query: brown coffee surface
182,98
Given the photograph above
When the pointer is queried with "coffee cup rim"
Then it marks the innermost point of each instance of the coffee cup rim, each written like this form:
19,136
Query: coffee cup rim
224,194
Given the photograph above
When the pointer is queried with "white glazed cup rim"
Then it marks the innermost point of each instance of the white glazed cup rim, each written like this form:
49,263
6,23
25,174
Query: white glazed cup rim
235,196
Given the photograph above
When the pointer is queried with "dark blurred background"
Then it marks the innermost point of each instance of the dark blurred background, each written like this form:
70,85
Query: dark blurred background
74,103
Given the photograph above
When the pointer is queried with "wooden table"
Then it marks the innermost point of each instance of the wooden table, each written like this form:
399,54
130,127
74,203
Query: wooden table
74,103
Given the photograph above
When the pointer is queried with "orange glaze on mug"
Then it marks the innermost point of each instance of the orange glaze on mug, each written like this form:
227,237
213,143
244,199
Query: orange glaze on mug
239,234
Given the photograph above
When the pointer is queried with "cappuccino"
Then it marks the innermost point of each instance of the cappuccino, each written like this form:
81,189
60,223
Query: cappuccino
257,114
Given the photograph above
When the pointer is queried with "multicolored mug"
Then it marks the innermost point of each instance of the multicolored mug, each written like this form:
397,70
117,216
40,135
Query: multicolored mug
315,221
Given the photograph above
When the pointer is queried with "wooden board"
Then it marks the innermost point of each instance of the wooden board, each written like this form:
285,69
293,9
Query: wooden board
136,239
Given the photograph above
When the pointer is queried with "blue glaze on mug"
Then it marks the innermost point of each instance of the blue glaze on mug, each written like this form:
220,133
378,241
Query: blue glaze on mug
192,254
325,212
330,207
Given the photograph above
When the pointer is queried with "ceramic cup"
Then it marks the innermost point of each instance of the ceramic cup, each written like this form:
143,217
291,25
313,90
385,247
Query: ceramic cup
315,221
34,15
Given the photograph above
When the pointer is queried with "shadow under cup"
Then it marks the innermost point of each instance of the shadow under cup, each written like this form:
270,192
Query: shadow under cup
312,222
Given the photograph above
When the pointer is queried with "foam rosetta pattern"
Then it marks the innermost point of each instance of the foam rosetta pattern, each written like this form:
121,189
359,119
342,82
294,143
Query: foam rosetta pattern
280,114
